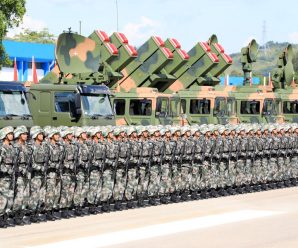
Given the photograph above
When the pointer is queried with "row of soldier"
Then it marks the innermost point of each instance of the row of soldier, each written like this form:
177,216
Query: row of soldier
67,171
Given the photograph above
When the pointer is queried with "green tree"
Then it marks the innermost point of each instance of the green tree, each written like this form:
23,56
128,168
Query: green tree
11,14
295,61
42,36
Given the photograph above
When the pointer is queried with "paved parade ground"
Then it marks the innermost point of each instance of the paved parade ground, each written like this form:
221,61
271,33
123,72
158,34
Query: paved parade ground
266,219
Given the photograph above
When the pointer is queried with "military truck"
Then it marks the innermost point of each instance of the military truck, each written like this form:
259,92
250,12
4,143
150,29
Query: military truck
14,110
72,94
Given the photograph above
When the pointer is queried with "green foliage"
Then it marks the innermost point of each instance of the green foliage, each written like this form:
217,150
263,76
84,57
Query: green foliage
295,61
11,14
42,36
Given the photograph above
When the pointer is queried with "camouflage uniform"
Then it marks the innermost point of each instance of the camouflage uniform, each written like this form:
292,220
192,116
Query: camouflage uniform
240,167
82,170
23,152
186,166
68,175
232,165
97,163
196,171
7,156
133,163
120,177
112,150
38,180
147,172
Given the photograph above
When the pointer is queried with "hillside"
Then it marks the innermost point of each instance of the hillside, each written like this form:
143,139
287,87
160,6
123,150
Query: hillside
265,62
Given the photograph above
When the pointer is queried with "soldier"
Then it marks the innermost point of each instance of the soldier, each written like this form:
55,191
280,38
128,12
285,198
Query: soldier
112,151
241,158
121,172
257,170
68,175
53,175
186,162
274,154
133,164
196,184
165,167
97,163
232,172
7,176
82,171
250,157
22,192
147,171
37,168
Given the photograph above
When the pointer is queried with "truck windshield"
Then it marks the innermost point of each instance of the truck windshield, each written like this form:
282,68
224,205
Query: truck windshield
99,105
13,103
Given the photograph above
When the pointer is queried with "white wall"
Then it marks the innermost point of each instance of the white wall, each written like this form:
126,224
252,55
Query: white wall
6,74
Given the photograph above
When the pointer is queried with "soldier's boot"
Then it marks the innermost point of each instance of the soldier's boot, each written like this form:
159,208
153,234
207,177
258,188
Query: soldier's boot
248,188
26,218
2,222
18,217
10,220
105,207
118,206
213,193
152,201
140,202
175,197
185,195
194,195
64,213
131,204
49,215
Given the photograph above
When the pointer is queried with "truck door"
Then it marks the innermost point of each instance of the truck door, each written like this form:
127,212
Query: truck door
61,109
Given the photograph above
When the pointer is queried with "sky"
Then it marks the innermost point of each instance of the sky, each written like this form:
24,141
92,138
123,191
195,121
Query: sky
235,22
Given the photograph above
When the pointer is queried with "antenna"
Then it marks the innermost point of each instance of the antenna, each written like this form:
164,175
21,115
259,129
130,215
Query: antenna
80,27
116,2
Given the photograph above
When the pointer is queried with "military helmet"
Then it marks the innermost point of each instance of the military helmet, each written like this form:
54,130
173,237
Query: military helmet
19,130
64,133
52,132
35,130
79,131
47,130
4,131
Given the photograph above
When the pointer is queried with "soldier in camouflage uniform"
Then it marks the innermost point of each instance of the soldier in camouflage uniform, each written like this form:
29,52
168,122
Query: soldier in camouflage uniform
68,173
97,163
53,175
186,162
224,158
167,161
274,153
151,159
112,151
37,169
82,171
232,163
120,175
7,176
132,170
241,159
257,170
196,183
250,157
22,193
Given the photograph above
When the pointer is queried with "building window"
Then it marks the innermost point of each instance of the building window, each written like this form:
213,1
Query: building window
140,107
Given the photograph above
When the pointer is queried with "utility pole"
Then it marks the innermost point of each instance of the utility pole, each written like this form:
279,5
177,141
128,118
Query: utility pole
80,27
117,16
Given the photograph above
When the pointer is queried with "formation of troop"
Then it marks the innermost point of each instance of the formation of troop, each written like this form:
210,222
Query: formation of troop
50,173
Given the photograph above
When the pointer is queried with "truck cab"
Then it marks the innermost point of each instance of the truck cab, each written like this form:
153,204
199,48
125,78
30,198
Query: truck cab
70,105
14,110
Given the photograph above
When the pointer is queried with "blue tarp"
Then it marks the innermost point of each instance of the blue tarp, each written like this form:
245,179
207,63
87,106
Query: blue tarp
238,81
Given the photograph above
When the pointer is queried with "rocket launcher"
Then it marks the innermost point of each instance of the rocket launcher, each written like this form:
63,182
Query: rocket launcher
200,62
224,59
283,75
147,68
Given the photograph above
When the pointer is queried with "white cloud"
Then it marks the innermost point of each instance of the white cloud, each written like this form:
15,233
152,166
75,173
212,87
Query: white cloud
293,37
138,33
28,22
